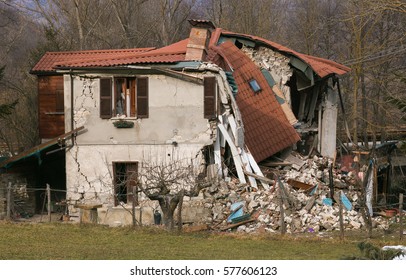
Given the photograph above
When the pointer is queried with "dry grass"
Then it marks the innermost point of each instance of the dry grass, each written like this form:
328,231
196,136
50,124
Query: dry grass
46,241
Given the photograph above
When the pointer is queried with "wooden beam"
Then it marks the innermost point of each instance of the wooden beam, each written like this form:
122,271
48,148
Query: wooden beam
237,224
261,178
234,151
40,147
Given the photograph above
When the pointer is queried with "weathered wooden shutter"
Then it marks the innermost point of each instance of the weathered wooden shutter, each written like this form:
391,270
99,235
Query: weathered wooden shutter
209,106
142,97
105,98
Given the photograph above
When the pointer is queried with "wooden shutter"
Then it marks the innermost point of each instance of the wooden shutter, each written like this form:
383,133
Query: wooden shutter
105,98
142,97
209,106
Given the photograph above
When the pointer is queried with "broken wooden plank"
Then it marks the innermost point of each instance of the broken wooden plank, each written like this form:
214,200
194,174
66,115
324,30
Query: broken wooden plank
284,105
235,153
297,163
256,169
260,178
310,203
217,155
237,224
275,163
40,147
247,168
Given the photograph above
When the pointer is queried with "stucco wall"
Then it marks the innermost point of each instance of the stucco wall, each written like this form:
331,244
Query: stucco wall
175,110
175,114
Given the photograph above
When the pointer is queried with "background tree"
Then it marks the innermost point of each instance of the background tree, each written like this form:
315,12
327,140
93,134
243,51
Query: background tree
369,36
18,129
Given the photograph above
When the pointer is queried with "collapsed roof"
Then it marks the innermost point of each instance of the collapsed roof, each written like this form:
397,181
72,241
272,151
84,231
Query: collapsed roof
267,129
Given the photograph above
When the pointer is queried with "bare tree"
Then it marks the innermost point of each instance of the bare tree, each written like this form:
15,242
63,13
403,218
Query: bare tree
18,129
169,182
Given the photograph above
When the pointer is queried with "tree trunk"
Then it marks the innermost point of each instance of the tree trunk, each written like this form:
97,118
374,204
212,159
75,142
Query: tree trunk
364,109
80,25
168,204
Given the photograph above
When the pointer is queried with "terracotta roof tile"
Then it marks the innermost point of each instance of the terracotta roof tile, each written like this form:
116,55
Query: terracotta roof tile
267,130
50,59
322,67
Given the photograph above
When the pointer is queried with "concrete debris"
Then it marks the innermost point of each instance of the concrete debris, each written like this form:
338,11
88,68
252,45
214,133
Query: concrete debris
304,212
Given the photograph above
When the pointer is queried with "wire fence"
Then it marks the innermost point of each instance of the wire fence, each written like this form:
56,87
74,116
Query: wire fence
393,212
23,201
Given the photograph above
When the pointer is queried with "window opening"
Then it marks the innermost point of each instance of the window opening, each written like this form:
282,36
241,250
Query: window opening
125,101
125,182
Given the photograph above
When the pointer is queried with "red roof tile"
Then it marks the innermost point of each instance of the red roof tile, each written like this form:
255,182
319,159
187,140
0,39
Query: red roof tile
51,59
169,54
172,53
267,130
322,67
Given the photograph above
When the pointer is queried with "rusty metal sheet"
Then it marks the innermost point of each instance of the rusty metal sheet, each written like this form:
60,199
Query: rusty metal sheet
300,185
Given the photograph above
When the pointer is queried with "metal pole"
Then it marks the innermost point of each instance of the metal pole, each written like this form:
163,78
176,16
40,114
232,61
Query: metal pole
49,202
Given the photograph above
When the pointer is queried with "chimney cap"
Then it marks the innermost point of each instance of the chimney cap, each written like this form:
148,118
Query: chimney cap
201,23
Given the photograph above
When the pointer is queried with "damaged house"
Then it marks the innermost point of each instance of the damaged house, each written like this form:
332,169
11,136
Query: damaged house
220,99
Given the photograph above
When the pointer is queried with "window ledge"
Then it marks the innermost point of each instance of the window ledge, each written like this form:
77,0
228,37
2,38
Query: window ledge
124,118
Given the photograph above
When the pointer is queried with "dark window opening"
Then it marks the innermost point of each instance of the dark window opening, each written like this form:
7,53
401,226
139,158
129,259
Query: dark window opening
125,182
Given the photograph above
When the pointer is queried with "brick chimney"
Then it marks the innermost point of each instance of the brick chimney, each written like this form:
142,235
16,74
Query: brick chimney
198,39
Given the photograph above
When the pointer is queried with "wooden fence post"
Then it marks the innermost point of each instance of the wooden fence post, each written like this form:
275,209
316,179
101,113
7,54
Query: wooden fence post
9,202
282,210
400,216
49,201
340,203
180,205
140,219
133,206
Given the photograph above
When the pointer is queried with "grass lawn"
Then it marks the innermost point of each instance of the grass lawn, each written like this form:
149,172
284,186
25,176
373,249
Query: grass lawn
54,241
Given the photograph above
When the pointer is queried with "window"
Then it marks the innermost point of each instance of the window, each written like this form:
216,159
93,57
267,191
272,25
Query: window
125,182
254,85
127,96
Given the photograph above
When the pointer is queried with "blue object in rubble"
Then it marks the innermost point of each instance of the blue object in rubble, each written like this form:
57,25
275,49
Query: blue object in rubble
328,201
236,210
346,202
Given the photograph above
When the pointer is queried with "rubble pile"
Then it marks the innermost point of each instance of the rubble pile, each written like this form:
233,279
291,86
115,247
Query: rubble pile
276,63
304,210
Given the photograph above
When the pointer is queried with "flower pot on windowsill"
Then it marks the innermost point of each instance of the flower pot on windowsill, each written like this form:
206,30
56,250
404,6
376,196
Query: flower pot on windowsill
123,124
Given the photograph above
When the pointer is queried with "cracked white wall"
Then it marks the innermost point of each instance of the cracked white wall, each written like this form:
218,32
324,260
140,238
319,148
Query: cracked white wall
175,114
